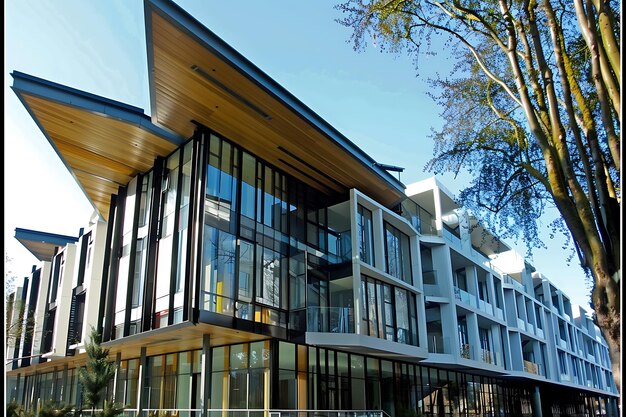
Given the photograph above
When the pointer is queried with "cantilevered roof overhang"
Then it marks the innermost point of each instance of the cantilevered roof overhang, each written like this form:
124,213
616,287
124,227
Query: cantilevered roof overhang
103,143
196,76
41,244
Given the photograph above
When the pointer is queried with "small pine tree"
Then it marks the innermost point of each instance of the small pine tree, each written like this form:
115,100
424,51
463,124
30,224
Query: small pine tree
96,375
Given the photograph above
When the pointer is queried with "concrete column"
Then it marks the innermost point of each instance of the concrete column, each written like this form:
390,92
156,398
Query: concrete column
473,336
536,403
379,239
356,268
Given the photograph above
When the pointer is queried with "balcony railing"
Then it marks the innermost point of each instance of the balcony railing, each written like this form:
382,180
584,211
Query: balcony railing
465,297
432,290
479,354
515,283
533,368
330,319
466,351
438,344
452,238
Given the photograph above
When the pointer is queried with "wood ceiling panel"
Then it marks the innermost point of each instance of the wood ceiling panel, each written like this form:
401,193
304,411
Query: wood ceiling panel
229,121
182,94
101,151
108,137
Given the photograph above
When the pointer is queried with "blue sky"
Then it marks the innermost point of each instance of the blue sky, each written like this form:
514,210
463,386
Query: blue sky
375,99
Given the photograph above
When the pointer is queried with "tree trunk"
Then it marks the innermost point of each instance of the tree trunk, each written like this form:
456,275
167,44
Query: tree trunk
606,303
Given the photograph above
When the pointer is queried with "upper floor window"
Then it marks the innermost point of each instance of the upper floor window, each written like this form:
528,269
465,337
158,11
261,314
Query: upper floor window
57,276
397,254
365,234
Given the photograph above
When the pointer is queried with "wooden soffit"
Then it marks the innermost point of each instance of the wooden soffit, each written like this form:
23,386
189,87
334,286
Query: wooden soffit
195,76
103,143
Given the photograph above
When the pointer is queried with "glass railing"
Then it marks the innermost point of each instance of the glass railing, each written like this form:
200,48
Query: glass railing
513,282
539,332
330,319
474,301
521,324
533,368
452,238
339,247
466,351
432,290
438,344
419,218
465,297
485,307
499,313
429,277
482,355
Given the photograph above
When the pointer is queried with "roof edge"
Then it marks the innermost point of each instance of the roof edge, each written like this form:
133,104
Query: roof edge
29,84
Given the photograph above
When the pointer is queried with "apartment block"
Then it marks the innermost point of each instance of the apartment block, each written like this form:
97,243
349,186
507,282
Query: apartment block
246,259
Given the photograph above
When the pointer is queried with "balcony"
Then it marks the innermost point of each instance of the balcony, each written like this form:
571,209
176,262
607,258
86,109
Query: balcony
485,307
452,238
466,351
490,357
432,290
330,319
465,297
479,354
438,344
514,283
533,368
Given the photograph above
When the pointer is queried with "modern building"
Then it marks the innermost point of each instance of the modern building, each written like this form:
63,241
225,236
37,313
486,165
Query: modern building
246,259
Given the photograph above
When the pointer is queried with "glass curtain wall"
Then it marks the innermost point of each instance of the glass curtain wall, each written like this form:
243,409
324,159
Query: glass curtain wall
388,312
258,224
397,254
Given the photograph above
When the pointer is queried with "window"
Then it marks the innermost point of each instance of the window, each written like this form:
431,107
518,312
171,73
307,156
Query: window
365,234
388,312
397,254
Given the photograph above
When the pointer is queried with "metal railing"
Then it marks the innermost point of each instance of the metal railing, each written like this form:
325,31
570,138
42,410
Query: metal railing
223,412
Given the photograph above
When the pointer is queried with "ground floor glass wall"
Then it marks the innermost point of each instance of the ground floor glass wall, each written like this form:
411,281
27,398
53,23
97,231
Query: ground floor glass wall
276,375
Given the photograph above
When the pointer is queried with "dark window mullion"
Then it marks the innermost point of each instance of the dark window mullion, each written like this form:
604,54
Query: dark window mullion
175,237
115,258
193,232
133,254
203,161
105,269
147,319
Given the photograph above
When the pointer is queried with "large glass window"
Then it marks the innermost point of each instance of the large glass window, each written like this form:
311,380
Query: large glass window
218,273
169,381
388,312
166,241
397,254
365,234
